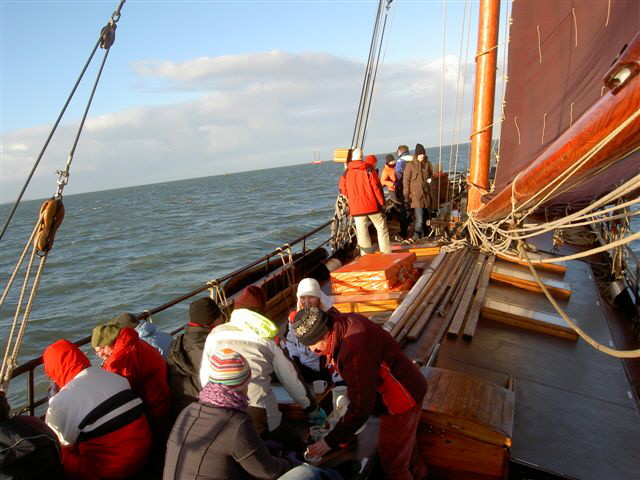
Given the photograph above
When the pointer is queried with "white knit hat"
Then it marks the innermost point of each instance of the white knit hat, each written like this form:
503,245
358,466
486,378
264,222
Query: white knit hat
309,287
356,154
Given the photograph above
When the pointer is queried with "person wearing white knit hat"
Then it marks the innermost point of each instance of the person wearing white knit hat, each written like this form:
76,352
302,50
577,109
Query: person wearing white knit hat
311,365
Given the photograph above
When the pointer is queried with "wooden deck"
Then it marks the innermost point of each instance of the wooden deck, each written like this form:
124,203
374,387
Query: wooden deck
575,413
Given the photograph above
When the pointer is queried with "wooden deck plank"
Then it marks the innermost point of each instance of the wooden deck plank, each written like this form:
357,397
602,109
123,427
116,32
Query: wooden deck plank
474,313
467,296
512,276
574,414
527,318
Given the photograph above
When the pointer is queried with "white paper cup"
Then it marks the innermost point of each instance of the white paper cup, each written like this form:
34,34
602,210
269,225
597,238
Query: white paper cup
319,386
311,459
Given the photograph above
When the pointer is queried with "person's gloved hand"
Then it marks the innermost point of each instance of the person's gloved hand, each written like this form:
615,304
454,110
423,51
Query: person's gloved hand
317,417
429,180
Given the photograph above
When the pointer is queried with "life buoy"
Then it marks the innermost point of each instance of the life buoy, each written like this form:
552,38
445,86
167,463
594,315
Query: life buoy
51,215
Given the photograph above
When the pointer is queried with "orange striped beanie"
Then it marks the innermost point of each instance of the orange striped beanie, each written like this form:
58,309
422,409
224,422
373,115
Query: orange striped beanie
229,368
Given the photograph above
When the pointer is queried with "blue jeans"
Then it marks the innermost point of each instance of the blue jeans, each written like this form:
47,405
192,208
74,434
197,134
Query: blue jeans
420,216
309,472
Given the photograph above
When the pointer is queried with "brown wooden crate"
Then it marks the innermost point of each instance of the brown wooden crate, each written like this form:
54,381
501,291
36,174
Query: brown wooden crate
448,404
451,456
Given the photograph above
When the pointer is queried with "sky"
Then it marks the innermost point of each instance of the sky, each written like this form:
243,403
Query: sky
197,88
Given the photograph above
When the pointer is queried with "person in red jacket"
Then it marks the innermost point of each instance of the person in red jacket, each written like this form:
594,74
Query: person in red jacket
361,185
125,354
98,419
380,378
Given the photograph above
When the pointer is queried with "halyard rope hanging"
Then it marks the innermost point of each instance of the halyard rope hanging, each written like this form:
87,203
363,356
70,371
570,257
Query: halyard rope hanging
105,40
49,218
368,84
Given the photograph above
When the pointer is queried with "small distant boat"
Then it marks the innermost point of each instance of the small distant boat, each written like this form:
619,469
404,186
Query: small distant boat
316,156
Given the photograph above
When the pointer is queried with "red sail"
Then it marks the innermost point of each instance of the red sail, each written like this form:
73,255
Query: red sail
559,54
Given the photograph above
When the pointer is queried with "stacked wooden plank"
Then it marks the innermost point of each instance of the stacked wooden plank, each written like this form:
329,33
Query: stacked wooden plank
368,303
454,304
373,283
521,278
422,251
527,312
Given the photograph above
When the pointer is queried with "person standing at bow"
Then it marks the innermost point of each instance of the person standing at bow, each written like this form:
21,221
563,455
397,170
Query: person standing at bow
416,184
361,185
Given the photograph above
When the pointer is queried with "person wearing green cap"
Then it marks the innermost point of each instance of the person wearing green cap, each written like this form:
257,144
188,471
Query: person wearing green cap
124,353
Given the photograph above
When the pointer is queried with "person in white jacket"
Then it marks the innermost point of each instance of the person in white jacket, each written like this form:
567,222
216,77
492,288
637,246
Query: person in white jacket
311,365
251,334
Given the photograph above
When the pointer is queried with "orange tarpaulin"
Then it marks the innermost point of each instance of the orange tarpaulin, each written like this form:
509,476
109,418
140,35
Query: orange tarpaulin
375,273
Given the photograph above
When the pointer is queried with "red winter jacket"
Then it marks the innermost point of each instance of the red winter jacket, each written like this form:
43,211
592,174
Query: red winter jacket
97,414
146,370
361,185
376,372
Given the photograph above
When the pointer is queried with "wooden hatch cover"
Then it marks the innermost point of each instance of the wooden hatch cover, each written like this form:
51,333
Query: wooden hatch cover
466,426
469,405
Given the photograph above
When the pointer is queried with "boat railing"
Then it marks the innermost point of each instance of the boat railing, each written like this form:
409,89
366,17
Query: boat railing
29,367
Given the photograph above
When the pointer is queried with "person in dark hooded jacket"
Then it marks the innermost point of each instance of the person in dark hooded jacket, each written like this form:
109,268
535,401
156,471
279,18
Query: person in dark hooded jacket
417,191
98,419
361,185
185,355
28,447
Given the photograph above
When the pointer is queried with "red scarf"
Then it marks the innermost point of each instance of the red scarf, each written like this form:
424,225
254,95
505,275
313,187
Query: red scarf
328,349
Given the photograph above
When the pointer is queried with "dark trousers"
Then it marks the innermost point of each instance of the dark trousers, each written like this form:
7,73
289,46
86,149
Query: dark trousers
420,218
399,455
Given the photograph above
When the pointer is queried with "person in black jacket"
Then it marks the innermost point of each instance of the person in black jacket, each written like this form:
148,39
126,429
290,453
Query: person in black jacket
183,361
28,447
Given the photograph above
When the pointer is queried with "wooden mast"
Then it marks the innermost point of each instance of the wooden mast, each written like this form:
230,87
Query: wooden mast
482,130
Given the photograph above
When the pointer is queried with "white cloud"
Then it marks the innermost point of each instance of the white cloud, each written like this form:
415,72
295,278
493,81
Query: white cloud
252,111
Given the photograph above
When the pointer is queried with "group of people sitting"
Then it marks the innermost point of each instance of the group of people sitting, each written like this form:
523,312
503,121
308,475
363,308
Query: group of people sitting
407,178
209,409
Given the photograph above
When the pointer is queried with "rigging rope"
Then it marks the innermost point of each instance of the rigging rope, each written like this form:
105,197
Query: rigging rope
115,16
455,110
342,228
366,93
379,65
444,44
571,323
50,216
464,80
